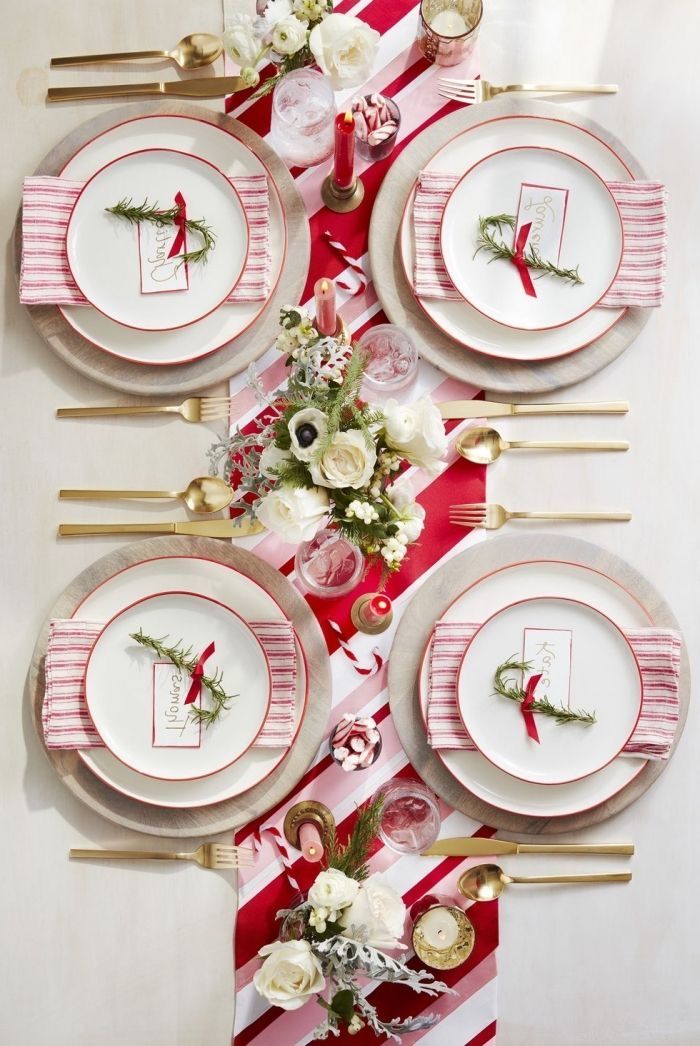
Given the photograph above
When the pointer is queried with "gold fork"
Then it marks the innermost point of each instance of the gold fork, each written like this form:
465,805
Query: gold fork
207,408
208,855
492,517
473,92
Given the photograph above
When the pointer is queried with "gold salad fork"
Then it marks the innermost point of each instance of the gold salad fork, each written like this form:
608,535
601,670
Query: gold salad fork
472,92
492,517
208,855
207,408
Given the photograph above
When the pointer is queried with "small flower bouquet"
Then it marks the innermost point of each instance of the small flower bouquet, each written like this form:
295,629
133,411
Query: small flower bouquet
342,931
321,456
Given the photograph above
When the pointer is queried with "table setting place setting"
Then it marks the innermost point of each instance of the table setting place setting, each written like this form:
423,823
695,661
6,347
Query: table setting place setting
318,666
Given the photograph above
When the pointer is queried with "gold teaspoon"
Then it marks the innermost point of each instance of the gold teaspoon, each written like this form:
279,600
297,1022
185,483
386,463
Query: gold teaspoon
486,882
483,445
204,494
192,52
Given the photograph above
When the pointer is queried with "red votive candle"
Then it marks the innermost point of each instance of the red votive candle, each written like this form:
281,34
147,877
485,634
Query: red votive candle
326,318
344,155
376,610
310,842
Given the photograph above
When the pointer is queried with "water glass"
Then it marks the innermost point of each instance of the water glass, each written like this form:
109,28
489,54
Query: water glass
303,113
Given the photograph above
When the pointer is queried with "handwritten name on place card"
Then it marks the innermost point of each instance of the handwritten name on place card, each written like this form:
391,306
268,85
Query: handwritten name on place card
160,272
173,726
549,651
544,206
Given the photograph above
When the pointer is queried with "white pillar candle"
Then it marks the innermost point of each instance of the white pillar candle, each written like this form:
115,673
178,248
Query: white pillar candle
449,23
439,927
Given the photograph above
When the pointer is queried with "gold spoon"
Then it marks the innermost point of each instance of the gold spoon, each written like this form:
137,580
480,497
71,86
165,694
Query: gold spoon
486,882
482,445
204,494
192,52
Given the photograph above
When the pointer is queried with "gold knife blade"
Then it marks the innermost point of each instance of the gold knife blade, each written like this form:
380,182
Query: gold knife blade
200,87
214,528
478,846
490,409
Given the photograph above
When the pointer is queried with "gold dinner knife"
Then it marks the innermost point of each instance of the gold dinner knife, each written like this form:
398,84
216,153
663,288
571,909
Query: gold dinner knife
490,409
215,528
478,846
201,87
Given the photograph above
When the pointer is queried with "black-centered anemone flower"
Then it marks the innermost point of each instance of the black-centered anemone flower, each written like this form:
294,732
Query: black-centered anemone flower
306,428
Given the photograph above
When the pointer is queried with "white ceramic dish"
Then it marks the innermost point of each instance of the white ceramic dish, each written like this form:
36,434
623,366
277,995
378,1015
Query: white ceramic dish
604,679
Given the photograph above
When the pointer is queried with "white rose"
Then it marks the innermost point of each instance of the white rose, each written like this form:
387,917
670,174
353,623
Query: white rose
294,513
241,42
417,431
344,48
412,521
316,420
290,974
289,36
378,910
271,458
347,462
333,890
276,10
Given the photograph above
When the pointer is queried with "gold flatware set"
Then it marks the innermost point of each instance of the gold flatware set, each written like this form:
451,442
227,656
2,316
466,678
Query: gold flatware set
203,494
484,446
192,52
195,409
214,528
208,855
486,882
493,517
473,92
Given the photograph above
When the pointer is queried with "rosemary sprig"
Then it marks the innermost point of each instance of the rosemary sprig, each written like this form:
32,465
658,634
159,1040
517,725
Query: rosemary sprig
147,212
184,660
505,688
486,241
352,857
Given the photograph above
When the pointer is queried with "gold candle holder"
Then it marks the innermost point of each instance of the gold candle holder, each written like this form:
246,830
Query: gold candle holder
342,200
362,623
341,332
459,937
307,810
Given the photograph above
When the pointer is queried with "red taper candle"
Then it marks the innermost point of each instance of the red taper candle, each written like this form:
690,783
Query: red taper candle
344,155
326,317
310,842
376,611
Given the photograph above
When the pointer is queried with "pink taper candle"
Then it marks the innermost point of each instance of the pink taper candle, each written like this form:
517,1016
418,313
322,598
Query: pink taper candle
310,842
376,610
324,294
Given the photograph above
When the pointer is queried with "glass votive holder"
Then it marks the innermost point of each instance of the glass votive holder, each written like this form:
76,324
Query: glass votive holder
355,743
303,111
392,362
442,935
448,29
410,816
329,565
377,123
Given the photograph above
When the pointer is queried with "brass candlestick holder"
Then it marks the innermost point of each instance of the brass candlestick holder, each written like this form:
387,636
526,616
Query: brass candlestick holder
301,813
342,200
357,616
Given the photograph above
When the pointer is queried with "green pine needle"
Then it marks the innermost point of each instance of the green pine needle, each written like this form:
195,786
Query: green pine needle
486,241
147,212
352,857
503,687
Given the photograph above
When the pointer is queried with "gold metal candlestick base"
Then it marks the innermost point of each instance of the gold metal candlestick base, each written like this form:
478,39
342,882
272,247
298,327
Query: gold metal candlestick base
342,200
356,617
307,810
341,332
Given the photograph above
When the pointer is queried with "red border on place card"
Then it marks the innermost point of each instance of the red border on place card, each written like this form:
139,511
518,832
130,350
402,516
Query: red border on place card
156,665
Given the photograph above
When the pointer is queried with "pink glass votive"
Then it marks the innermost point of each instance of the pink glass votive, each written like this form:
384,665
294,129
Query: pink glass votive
410,816
329,565
448,29
377,124
392,359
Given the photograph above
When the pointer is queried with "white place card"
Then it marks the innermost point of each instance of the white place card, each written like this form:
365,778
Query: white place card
159,272
544,206
549,652
173,726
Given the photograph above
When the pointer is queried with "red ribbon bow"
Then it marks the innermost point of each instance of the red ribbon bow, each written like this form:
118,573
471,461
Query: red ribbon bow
518,260
526,706
196,685
178,246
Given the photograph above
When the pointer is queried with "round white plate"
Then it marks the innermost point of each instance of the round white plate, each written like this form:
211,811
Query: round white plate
217,581
482,599
456,318
222,326
103,251
604,679
592,237
120,685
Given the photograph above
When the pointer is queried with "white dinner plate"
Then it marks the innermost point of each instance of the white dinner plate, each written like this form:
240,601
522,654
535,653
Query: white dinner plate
591,238
217,581
224,325
456,318
103,250
484,597
604,679
121,686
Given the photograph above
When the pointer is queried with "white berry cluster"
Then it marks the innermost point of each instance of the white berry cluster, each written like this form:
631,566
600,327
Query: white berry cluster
363,511
394,549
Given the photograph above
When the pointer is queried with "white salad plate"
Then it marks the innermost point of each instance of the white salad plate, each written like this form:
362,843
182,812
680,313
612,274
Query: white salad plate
457,319
216,581
591,237
604,679
103,250
221,148
528,580
121,686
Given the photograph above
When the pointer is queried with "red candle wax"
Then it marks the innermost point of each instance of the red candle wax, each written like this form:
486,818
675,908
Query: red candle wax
376,610
310,842
344,155
324,294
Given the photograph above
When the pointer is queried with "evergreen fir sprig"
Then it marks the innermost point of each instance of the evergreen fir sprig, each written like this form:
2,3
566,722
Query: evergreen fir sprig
151,212
353,856
504,687
492,226
184,659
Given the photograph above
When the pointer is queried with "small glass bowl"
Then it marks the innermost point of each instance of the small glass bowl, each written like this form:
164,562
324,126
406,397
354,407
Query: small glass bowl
338,762
329,565
410,817
393,359
380,150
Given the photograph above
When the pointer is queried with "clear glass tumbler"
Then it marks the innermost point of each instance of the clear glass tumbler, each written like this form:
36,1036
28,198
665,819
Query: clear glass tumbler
303,111
410,816
448,29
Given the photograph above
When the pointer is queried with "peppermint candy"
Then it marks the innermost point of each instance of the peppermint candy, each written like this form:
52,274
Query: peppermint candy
373,120
355,742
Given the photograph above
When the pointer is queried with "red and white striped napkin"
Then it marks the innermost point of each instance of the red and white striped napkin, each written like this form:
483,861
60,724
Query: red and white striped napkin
47,202
658,653
642,275
65,716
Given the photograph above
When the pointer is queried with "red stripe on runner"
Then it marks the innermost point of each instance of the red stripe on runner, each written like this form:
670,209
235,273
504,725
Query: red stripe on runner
484,1037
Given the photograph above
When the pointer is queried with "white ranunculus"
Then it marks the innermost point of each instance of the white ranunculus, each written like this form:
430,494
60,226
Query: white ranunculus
290,974
379,911
317,420
295,513
276,10
412,521
289,35
347,462
333,890
241,41
271,458
344,48
416,431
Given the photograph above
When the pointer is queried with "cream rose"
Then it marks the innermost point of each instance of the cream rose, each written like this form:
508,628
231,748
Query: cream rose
294,513
416,431
379,911
271,458
347,462
333,890
289,35
290,974
306,427
344,48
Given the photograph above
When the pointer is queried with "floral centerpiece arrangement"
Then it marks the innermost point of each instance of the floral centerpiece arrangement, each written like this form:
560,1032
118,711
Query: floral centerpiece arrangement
342,931
321,456
297,33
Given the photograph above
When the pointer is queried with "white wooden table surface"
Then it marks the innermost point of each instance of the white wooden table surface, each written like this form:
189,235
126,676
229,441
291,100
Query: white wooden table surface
112,954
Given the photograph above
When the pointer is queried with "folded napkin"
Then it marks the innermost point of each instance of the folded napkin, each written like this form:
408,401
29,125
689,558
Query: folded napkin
642,275
47,202
65,716
658,654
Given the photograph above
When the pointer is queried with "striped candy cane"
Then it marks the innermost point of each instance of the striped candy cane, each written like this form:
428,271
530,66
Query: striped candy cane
281,845
361,670
353,264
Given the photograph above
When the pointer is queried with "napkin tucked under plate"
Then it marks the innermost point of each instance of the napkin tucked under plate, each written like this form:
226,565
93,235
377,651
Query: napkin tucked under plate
65,716
642,275
658,654
47,202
